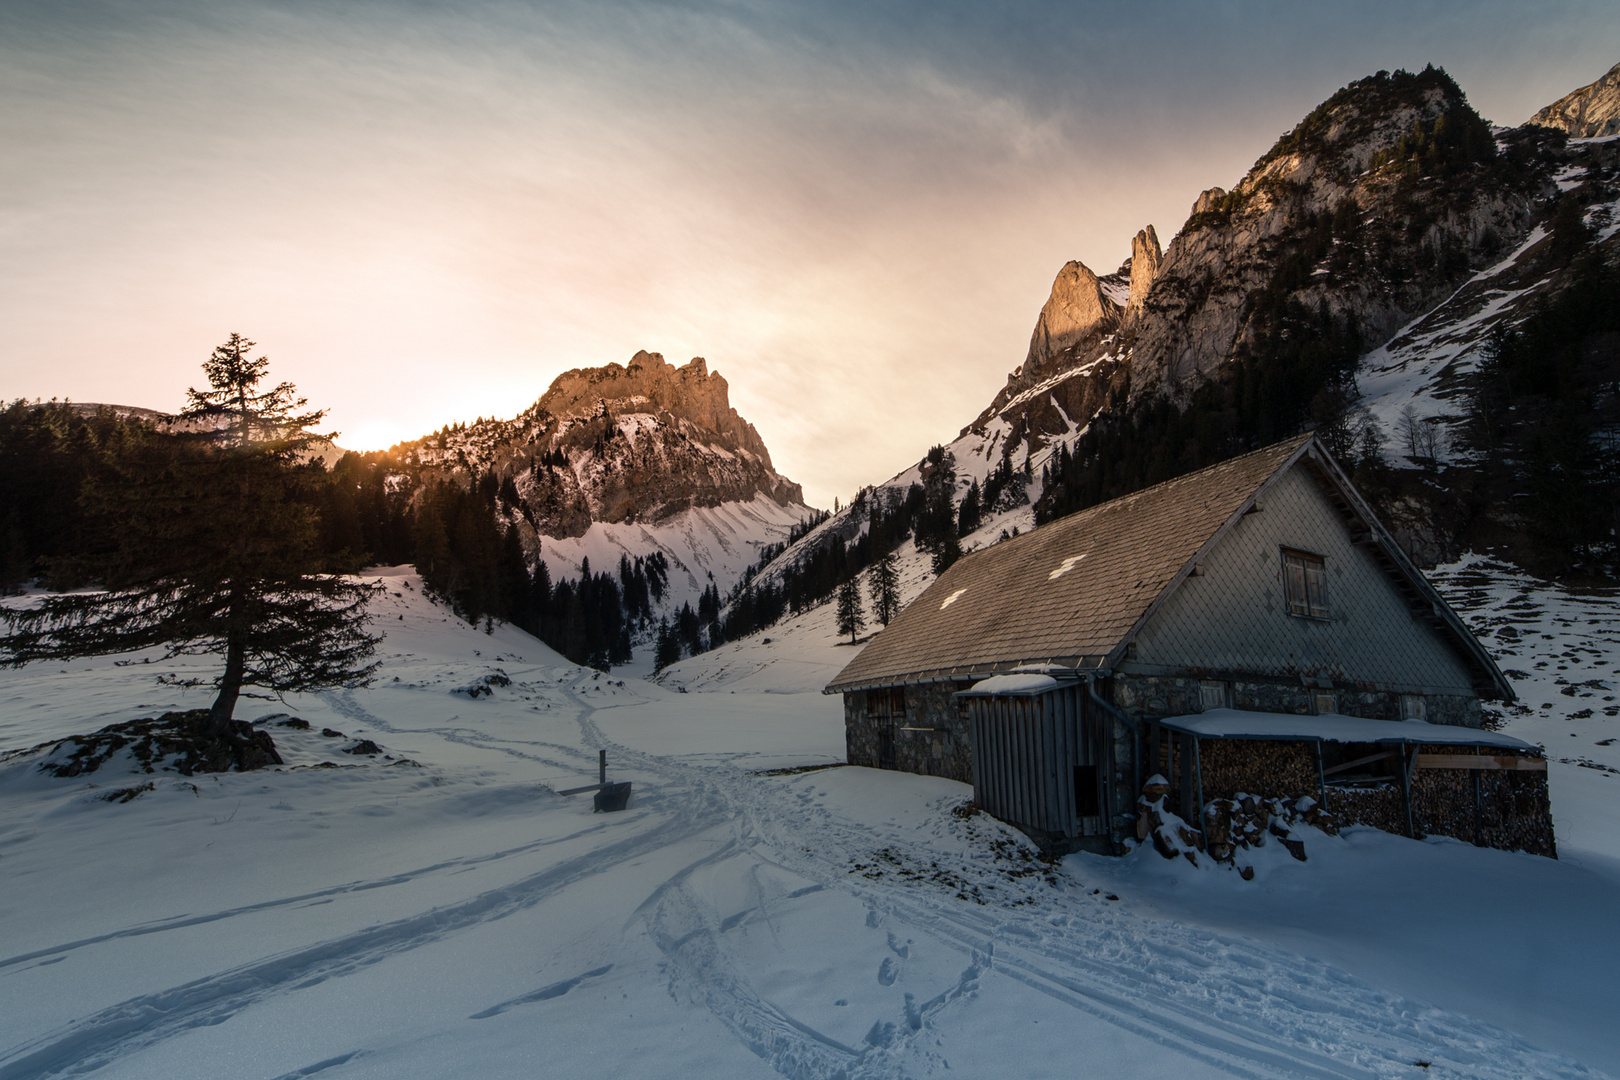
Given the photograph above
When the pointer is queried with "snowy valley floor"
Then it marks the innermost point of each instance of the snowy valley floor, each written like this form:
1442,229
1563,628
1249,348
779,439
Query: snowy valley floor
441,912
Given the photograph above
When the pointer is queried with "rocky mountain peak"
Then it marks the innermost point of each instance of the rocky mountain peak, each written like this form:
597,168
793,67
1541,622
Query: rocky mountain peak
1382,201
650,384
1077,310
1590,112
1146,255
639,442
1339,138
1076,321
1302,226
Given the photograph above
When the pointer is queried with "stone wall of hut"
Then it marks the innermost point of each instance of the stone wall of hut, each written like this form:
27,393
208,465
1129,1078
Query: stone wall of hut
931,738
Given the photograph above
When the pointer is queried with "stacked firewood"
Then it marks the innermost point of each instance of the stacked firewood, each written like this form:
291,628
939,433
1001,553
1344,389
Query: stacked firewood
1283,768
1172,837
1246,821
1380,806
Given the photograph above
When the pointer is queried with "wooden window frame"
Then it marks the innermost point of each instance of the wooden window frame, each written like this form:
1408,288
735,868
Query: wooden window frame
1305,593
1210,687
886,703
1414,707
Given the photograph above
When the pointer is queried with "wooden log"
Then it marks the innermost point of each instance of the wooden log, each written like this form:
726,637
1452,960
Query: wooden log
1481,761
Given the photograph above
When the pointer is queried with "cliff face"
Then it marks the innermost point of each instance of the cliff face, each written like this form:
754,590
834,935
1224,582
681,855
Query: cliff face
1590,112
1382,202
1350,213
637,443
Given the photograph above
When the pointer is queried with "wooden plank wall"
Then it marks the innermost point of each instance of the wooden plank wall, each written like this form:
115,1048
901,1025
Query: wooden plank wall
1025,750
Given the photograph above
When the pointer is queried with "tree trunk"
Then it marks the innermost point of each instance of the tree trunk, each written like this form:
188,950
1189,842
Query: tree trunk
230,686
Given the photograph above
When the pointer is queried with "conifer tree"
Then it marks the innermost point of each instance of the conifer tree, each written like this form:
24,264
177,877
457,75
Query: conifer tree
970,513
211,549
884,588
851,619
251,415
944,551
668,648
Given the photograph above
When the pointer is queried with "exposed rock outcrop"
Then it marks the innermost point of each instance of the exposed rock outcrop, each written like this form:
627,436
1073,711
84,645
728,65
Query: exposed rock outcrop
1384,201
634,443
1146,255
1079,319
1076,312
1327,177
1590,112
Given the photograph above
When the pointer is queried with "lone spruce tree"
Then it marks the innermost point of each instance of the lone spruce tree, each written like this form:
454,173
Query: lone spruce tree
851,619
884,588
211,549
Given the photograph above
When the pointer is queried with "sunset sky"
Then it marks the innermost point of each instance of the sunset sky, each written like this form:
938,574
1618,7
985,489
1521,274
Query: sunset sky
423,212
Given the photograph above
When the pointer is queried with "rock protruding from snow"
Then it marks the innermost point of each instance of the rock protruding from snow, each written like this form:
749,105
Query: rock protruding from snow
1076,311
1077,322
649,384
1591,112
1145,258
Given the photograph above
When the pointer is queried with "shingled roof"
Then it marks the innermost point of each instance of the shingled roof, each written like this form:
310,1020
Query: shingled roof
1074,592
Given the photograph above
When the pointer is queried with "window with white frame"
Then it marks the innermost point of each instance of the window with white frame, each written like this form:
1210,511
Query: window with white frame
1305,584
1326,703
1211,694
1412,707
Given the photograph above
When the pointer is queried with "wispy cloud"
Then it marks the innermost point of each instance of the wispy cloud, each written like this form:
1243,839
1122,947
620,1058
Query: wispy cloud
854,211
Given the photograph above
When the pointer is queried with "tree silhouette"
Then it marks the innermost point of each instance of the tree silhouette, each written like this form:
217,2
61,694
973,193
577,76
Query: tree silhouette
884,588
211,549
851,619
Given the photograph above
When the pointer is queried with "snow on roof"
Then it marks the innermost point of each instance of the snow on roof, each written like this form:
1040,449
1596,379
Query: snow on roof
1027,684
1333,727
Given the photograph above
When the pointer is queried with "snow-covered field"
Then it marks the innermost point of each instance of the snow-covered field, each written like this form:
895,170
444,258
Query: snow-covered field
444,913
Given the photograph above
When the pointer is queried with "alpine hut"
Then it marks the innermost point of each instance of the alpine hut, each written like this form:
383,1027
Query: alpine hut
1249,628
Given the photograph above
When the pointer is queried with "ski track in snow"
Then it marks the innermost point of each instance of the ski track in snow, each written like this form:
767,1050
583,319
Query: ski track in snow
1232,1004
1251,1011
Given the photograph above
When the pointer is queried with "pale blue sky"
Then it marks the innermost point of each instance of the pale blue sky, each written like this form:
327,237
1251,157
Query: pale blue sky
424,212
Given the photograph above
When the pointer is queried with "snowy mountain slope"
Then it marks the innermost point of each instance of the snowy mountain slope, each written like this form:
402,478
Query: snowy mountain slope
1561,650
1425,365
615,461
800,654
454,917
704,545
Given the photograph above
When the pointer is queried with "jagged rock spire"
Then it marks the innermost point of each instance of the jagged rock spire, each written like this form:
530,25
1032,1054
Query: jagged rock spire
1076,309
1145,258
